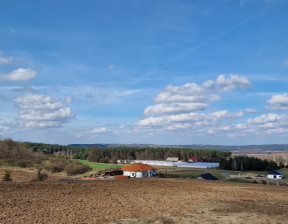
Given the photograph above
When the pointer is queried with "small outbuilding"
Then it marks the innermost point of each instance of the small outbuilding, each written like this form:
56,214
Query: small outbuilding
172,159
275,175
139,170
207,176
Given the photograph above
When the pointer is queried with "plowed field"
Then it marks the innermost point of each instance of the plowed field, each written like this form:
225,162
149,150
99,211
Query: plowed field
142,201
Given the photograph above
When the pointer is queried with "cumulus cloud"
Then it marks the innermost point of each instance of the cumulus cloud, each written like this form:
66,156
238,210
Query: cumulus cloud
278,102
20,74
263,125
175,108
182,108
233,82
39,111
193,97
188,120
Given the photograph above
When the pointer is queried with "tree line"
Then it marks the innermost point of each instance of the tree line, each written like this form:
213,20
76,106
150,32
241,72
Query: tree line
97,154
243,163
111,154
71,152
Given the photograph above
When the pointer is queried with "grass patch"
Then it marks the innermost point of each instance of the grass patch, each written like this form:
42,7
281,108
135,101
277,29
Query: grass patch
238,180
99,166
285,173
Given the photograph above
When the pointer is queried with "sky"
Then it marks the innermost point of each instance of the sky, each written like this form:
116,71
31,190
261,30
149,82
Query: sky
147,72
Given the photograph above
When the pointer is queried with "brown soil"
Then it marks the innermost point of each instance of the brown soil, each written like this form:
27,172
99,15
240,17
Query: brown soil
142,201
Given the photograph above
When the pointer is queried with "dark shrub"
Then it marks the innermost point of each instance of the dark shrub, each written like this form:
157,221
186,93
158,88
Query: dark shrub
76,168
55,166
7,176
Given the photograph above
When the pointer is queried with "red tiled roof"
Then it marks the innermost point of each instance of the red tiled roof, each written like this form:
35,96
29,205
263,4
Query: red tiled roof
138,167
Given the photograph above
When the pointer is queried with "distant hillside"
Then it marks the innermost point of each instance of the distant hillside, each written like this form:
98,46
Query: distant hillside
271,147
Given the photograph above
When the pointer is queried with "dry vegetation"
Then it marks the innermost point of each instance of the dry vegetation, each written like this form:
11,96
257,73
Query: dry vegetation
141,201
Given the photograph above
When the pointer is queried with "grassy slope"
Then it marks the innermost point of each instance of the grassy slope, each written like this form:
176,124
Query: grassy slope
99,166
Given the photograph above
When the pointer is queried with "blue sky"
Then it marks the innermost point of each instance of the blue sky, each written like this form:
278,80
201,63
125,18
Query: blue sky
133,71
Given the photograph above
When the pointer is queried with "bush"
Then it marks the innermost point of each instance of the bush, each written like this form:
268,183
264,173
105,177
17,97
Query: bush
55,166
76,168
7,176
264,182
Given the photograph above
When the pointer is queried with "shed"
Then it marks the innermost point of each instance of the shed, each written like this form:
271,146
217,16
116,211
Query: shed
172,159
275,175
139,170
207,176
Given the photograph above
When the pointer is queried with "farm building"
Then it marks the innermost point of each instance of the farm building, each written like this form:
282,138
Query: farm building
139,170
207,176
172,159
201,165
191,160
155,162
275,175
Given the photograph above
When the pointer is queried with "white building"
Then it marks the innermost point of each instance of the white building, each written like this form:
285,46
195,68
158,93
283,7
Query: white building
275,175
139,170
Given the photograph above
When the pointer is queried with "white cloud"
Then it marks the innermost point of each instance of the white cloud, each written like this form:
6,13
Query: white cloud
191,120
285,62
251,110
234,82
174,108
177,108
99,130
20,74
278,102
267,118
6,60
92,132
38,111
192,97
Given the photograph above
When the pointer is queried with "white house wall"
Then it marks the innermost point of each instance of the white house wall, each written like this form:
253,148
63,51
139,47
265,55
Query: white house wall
139,174
271,176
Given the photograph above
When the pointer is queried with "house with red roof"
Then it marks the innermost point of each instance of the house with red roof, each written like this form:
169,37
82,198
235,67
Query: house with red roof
139,170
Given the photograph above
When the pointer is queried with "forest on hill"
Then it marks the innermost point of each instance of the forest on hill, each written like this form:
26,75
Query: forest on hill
268,147
110,154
